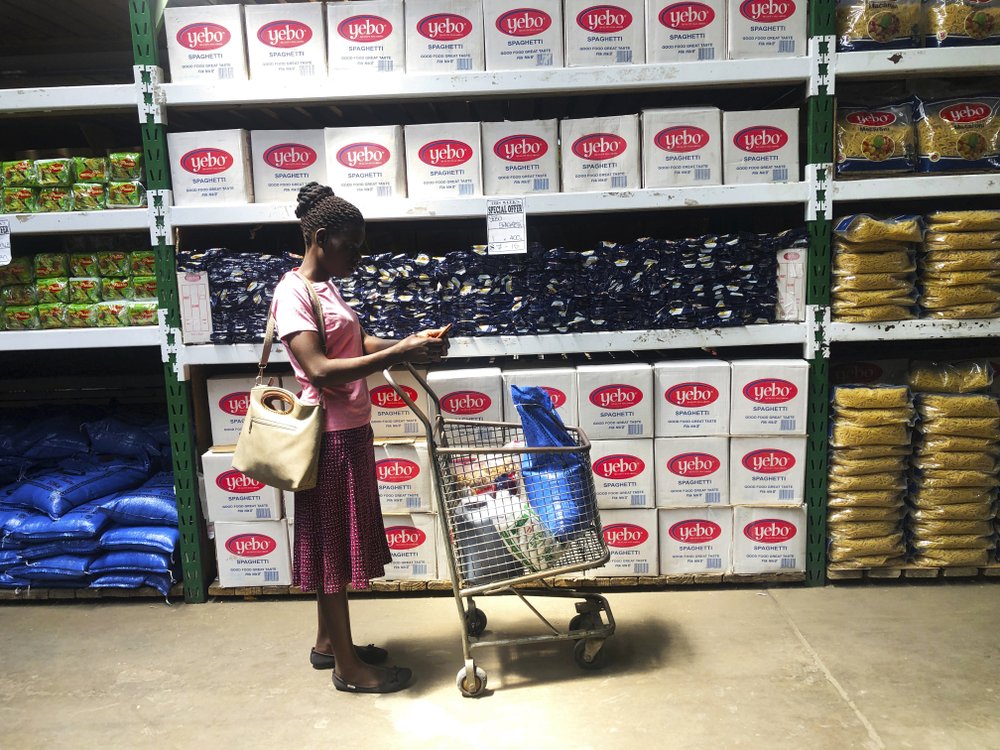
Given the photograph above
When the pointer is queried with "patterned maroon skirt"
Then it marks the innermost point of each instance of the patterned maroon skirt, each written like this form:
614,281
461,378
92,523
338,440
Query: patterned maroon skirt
339,534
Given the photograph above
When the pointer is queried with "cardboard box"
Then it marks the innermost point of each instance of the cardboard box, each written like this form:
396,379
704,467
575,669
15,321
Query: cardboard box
760,147
766,28
444,36
288,504
206,44
366,163
633,541
523,35
615,401
681,147
692,397
696,541
286,42
210,168
412,541
366,37
391,417
767,470
623,473
443,160
692,471
228,401
196,307
602,35
600,153
769,397
284,161
253,554
558,382
232,496
769,540
521,158
468,394
685,30
791,285
405,476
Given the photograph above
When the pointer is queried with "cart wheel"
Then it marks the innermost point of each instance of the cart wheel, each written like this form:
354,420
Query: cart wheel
590,654
585,621
471,687
475,622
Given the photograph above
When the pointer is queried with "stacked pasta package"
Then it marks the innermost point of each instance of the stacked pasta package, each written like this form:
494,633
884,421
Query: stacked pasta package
955,481
873,268
960,266
870,447
899,24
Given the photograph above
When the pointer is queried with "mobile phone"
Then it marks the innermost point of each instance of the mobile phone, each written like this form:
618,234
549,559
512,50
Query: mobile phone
442,332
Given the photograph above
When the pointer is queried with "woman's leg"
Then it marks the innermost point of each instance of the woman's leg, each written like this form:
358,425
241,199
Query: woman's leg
335,637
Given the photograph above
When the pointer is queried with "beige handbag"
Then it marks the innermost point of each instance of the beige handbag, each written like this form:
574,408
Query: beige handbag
280,440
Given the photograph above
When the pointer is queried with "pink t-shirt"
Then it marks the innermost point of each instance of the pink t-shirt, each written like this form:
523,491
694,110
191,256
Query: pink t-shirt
347,406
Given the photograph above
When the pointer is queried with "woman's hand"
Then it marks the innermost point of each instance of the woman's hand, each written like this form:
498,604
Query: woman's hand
420,348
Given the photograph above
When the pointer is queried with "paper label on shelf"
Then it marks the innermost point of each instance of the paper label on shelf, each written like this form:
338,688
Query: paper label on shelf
791,285
196,307
4,242
506,226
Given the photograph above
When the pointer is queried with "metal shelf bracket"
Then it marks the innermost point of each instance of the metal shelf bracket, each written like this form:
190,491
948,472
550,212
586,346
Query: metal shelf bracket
822,66
820,191
150,98
160,224
817,326
171,346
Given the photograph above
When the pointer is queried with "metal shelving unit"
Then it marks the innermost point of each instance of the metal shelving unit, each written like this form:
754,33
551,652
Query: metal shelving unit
912,63
63,99
79,338
110,220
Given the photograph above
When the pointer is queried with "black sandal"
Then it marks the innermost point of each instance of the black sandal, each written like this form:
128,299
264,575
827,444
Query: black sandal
370,654
395,679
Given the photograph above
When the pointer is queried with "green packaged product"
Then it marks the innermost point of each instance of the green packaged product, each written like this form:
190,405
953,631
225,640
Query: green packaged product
83,264
126,195
20,318
18,295
81,316
18,271
84,290
20,173
52,172
142,313
112,263
145,287
112,314
54,200
125,166
142,262
19,200
51,266
52,316
51,291
114,289
91,169
90,196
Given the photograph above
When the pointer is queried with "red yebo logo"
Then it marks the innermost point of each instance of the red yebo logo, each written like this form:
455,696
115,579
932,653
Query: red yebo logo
206,161
235,404
681,139
617,396
363,156
871,119
237,482
619,466
768,461
519,148
692,395
966,112
284,34
251,545
524,22
444,27
695,531
404,537
290,156
770,391
599,146
760,139
604,19
365,29
445,153
624,535
687,16
396,470
385,397
769,531
767,11
464,403
203,37
557,397
693,464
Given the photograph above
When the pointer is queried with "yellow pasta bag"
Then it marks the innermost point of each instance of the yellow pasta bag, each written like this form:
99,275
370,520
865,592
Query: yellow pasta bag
861,529
869,282
957,462
980,427
875,417
958,135
974,220
892,261
876,140
847,549
872,561
954,23
955,558
875,314
947,479
858,515
958,405
965,312
947,528
951,377
878,24
926,511
865,499
885,246
871,466
867,483
871,397
949,261
868,228
960,278
954,541
849,300
987,240
870,452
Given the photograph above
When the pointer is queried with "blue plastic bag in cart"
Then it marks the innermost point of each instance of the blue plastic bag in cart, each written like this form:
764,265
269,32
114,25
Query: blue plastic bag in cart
553,482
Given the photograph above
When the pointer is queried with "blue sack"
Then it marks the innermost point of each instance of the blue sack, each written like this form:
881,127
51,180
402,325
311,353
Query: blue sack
9,558
7,581
54,437
66,568
162,539
153,504
160,581
34,552
12,522
131,562
114,437
84,522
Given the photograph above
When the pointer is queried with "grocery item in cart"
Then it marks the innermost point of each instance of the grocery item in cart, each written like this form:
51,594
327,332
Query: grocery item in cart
522,531
960,23
958,134
875,140
483,555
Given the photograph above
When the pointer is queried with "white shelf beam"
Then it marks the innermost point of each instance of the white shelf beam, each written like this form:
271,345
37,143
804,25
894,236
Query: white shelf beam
916,62
68,99
906,330
916,186
79,338
110,220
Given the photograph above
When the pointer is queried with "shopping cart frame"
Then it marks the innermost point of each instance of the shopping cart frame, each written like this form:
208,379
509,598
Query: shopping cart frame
593,622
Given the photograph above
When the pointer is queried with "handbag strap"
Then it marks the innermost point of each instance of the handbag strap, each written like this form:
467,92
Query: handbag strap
265,353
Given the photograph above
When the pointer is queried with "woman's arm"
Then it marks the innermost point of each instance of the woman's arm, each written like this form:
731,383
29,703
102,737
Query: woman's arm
374,345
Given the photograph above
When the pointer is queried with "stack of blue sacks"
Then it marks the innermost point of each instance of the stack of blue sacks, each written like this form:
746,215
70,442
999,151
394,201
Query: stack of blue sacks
86,503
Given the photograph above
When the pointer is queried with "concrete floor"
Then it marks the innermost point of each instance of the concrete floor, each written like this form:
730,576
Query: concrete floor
888,666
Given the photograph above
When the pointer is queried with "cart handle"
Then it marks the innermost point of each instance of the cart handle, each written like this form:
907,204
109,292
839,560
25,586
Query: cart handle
401,392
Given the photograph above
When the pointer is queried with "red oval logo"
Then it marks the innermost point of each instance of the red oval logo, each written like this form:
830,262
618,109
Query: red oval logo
695,531
604,19
769,531
617,396
524,22
871,119
966,112
766,11
694,464
385,397
363,156
557,397
464,403
681,139
625,535
237,482
770,391
251,545
444,27
445,153
599,146
404,537
855,372
290,156
396,470
768,461
235,404
521,148
206,161
692,395
687,16
203,37
364,29
284,34
619,466
760,139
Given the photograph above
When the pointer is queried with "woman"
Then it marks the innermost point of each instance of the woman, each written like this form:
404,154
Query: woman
339,536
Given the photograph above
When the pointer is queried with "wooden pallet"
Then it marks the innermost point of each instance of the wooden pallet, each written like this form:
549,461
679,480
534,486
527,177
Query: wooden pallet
43,594
910,571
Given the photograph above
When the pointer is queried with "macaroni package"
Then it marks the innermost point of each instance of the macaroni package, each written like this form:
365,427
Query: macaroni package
875,140
960,23
951,377
878,24
958,135
868,228
963,221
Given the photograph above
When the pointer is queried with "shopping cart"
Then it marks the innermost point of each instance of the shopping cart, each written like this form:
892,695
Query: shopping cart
505,523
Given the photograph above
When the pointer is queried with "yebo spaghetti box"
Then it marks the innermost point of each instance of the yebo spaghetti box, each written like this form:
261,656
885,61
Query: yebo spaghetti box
210,168
284,161
602,34
769,540
767,470
523,35
623,473
286,41
681,147
760,146
696,540
404,474
766,28
206,43
366,163
769,397
520,158
443,160
633,541
685,30
692,397
366,37
600,153
391,417
233,496
692,471
615,401
412,539
253,554
444,36
469,394
558,382
228,401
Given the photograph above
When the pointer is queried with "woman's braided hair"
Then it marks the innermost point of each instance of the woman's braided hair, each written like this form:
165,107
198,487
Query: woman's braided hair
319,208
